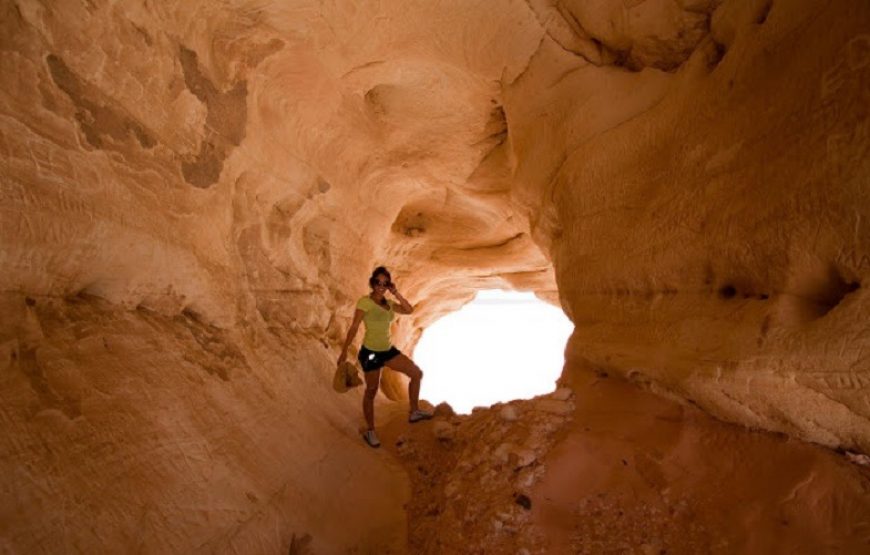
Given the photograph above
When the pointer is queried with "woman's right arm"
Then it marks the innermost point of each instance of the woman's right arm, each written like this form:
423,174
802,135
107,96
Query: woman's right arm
351,333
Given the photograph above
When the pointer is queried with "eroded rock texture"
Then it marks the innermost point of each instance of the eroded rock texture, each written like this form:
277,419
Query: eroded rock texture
605,467
194,193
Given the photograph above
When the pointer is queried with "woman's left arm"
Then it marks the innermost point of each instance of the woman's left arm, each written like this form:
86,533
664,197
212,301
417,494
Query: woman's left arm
404,306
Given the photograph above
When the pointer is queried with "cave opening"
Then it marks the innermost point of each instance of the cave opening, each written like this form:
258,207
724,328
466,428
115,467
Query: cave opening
503,345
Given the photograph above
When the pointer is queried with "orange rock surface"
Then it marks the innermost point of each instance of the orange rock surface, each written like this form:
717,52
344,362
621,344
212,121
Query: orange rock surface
193,194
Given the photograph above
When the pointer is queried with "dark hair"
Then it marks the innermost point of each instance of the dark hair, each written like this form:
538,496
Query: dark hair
380,271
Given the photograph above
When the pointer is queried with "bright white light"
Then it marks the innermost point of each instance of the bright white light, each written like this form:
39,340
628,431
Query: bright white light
499,347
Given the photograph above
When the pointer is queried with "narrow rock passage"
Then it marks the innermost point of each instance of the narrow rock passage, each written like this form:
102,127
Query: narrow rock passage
194,193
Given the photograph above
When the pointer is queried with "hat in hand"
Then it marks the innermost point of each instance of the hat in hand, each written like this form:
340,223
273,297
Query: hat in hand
346,377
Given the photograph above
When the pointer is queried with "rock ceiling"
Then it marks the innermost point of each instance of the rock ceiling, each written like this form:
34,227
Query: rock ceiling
207,185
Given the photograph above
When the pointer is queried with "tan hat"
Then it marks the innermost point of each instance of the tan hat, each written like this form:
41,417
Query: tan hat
346,377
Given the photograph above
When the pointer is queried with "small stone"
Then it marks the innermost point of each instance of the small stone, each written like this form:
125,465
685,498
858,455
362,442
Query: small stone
451,489
526,478
508,413
500,454
443,431
562,394
444,410
521,458
458,419
554,406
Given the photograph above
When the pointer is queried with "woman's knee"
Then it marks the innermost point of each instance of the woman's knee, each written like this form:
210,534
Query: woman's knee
416,373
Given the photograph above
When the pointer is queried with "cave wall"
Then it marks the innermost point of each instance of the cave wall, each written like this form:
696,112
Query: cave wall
193,195
740,203
131,431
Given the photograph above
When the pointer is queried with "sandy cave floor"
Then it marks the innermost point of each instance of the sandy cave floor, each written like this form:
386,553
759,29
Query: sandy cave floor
617,469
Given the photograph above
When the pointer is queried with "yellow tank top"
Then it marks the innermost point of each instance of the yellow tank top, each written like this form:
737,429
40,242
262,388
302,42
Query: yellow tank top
377,320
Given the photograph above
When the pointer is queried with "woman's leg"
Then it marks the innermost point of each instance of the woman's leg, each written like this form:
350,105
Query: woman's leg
373,379
406,366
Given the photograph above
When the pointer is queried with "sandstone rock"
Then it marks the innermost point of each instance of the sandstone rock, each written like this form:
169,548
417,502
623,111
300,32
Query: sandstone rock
194,195
653,548
443,410
520,458
554,406
500,454
858,458
503,516
562,394
508,413
452,489
525,478
443,431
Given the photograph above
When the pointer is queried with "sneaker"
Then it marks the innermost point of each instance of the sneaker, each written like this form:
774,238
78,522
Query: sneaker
419,415
371,438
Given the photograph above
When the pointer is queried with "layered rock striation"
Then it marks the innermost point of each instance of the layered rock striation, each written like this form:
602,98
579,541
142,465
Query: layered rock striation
193,194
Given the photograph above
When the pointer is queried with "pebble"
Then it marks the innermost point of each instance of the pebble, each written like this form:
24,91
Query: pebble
522,458
554,406
508,413
526,478
451,489
444,410
443,431
562,394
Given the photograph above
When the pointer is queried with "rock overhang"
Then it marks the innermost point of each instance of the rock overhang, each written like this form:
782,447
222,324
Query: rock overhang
691,174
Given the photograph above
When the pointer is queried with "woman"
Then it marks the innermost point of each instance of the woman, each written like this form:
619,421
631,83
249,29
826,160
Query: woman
377,351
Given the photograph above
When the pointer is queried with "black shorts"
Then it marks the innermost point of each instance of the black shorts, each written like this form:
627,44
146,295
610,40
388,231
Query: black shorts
374,360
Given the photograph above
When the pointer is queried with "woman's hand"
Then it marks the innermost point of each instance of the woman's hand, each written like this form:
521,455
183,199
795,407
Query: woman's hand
404,307
392,289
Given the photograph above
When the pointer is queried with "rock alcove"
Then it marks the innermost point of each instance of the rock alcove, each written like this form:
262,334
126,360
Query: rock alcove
194,193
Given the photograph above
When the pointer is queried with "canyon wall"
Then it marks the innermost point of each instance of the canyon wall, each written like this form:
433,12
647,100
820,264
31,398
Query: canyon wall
739,204
194,194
